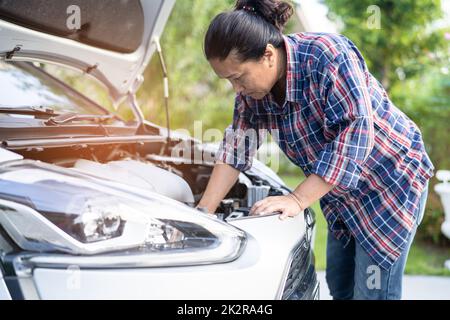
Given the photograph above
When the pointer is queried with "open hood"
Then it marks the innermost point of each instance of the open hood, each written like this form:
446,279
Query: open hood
113,40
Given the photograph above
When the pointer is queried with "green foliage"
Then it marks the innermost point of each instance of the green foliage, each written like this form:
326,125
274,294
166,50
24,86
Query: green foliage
426,99
403,40
196,92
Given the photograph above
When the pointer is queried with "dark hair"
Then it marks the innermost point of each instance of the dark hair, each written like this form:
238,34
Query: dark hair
248,29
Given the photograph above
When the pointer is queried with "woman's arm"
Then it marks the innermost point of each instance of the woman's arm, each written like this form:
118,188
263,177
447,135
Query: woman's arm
235,154
311,190
222,179
308,192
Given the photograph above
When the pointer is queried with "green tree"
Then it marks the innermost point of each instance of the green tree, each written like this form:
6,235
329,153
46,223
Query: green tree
394,35
196,93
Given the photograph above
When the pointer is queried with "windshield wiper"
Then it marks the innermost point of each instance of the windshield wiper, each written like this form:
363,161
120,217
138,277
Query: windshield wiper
71,116
32,111
54,118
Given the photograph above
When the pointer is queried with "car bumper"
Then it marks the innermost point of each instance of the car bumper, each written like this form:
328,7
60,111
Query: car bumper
277,263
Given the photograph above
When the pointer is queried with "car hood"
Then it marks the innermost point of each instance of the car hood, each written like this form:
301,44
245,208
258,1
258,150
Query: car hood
111,40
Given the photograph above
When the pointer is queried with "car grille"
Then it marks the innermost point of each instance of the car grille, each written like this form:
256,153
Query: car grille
301,281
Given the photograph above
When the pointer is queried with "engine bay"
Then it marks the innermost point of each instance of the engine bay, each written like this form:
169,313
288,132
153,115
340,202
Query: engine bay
152,166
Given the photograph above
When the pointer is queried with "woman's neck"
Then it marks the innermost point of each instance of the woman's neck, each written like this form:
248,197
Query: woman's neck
279,89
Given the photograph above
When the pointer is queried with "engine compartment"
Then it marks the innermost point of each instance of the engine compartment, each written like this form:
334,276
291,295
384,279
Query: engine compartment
152,166
140,174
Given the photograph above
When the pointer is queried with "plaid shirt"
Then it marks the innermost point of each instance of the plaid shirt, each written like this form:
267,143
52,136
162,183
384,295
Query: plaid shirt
337,122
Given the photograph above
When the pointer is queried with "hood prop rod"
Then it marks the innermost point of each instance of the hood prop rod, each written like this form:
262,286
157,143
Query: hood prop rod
166,85
135,108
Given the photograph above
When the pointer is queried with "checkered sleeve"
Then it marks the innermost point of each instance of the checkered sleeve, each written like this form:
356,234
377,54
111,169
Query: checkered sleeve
241,139
348,123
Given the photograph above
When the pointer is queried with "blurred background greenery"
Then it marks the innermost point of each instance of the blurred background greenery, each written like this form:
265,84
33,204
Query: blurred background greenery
408,52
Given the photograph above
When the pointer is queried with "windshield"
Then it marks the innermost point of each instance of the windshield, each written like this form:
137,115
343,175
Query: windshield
23,85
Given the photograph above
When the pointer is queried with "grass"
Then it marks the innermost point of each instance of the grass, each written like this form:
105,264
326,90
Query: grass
424,259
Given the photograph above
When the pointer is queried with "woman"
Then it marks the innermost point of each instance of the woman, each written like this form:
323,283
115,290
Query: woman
363,158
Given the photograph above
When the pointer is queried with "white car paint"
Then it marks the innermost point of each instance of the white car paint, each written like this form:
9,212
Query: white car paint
6,155
257,274
120,72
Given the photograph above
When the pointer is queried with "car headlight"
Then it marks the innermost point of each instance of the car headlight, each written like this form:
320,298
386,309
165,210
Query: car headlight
54,210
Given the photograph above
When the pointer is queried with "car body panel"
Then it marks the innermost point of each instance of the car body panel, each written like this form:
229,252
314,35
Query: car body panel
4,292
6,155
256,274
120,72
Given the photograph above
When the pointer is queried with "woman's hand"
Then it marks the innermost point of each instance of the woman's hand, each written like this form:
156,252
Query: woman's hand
286,205
309,191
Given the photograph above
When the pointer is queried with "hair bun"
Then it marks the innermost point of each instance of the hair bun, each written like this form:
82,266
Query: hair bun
275,12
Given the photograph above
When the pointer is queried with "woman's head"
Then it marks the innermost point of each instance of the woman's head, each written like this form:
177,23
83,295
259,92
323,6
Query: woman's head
244,45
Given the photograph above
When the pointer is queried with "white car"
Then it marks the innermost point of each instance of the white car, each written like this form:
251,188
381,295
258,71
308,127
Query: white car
94,207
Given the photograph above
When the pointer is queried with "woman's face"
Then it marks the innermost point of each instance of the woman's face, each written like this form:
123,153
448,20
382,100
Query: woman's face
254,78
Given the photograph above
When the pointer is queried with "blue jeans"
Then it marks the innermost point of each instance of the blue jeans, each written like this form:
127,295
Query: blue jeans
352,274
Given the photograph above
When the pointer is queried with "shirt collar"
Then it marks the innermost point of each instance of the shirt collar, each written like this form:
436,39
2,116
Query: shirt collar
292,69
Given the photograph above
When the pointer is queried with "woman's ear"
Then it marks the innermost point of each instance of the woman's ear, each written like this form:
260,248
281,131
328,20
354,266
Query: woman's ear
270,55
